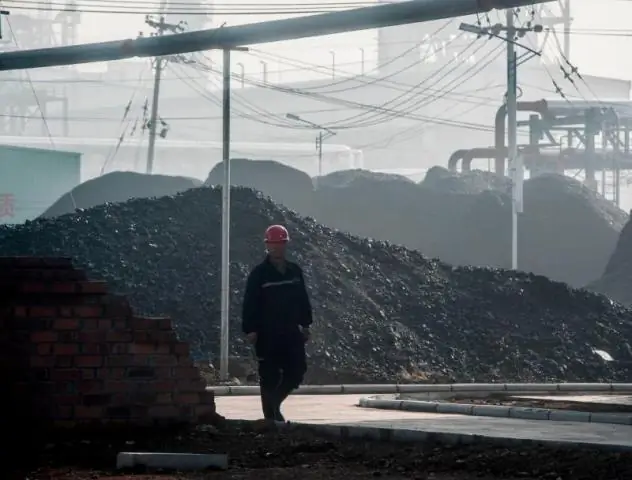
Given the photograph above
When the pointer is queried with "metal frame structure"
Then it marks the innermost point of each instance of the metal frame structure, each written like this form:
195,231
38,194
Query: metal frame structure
20,97
565,135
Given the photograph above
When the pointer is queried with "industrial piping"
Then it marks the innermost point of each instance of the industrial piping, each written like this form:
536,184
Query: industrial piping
466,157
392,14
539,106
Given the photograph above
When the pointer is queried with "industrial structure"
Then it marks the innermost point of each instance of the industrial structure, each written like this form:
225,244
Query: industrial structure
434,91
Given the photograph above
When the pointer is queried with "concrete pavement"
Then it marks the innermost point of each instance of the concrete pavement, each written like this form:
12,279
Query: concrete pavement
342,413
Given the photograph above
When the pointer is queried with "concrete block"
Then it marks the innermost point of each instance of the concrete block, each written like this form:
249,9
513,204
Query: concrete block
423,388
172,461
362,389
219,391
456,408
526,388
499,411
569,416
529,413
243,390
621,387
478,387
418,406
616,418
380,404
411,436
585,387
319,390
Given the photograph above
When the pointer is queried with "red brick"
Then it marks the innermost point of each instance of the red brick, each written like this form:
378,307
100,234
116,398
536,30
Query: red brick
33,287
88,374
93,349
66,324
90,386
66,348
20,311
186,373
162,349
120,323
163,361
188,398
88,311
164,398
143,323
155,336
88,361
90,324
66,312
63,412
43,312
104,324
164,324
119,337
44,349
141,348
66,399
38,361
164,411
191,385
119,361
185,362
118,386
93,336
89,412
164,386
65,375
64,287
43,336
64,361
181,348
94,287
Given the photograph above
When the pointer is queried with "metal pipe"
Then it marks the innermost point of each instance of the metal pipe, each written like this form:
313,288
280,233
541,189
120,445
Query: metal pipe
539,106
385,15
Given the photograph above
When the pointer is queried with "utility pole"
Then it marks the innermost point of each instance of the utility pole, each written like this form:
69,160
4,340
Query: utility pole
516,167
160,26
225,268
323,134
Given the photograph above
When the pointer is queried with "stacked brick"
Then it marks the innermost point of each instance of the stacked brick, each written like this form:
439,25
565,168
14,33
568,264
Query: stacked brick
72,354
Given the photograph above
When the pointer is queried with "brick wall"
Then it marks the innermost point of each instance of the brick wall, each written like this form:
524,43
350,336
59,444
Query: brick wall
72,354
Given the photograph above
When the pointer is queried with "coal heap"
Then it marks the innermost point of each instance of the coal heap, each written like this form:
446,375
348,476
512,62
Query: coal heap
344,178
566,232
473,182
285,185
118,187
616,281
379,308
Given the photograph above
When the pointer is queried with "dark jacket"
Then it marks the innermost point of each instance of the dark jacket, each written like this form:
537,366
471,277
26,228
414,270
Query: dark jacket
275,303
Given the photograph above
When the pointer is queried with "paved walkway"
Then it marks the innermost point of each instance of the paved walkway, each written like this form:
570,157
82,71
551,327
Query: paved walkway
342,410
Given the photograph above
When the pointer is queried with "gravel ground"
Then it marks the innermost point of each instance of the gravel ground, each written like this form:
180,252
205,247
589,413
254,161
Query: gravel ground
258,454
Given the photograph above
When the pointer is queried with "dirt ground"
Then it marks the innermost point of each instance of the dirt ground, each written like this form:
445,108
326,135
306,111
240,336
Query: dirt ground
262,454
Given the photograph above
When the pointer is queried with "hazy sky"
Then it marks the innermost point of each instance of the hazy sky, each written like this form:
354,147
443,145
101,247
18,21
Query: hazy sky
592,53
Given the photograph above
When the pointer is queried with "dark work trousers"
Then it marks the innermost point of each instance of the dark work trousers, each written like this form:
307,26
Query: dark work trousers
282,366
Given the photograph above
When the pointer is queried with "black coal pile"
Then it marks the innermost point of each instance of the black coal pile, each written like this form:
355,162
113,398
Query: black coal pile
343,178
118,187
379,308
566,231
616,281
285,185
473,182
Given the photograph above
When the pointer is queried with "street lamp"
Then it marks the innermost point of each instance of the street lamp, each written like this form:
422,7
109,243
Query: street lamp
323,134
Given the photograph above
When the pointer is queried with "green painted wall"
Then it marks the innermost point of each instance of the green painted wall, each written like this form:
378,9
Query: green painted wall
32,179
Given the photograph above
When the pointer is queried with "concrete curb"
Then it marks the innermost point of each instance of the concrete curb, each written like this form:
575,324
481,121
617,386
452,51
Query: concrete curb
498,411
513,388
441,438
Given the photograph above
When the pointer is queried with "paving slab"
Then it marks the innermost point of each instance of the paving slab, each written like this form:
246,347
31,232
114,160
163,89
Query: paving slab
343,410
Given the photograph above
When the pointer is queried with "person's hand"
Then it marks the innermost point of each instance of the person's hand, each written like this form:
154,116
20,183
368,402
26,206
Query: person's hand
306,334
252,337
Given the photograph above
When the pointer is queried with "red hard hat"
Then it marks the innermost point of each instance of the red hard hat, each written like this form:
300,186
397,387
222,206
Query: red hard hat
276,234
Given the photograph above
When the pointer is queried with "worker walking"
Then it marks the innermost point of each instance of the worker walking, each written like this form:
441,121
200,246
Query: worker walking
276,317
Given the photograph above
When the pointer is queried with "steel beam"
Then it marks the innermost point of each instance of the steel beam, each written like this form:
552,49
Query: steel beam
414,11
